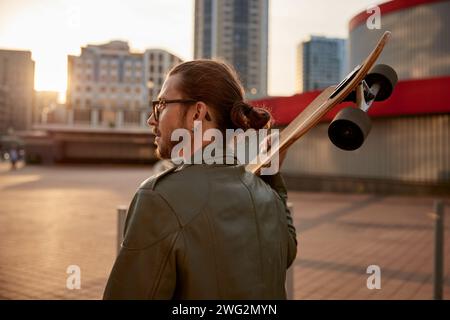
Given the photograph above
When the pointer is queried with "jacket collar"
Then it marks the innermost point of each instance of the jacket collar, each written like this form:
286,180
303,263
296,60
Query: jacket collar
224,157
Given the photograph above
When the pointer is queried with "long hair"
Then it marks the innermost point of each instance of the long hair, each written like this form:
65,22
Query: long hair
217,84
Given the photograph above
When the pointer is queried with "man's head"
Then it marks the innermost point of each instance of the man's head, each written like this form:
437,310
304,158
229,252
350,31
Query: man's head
216,98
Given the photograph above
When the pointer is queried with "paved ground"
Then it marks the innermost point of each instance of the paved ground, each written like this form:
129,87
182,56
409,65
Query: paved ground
53,217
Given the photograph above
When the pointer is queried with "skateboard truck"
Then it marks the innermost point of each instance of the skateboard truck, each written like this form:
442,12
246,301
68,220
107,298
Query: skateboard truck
365,95
351,126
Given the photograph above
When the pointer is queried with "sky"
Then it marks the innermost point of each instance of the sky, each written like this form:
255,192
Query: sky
52,29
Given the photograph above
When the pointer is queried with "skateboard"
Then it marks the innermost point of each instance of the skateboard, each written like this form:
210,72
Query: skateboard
365,84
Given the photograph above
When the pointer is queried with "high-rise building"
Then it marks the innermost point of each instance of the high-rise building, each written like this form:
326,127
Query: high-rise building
321,62
237,32
17,89
110,86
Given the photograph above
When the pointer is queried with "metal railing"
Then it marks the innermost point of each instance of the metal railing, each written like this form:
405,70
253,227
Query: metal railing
438,255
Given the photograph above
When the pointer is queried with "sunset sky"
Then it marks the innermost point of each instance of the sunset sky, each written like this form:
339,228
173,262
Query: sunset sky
52,29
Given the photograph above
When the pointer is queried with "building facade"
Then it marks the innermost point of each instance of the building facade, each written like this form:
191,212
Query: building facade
235,31
17,89
321,62
44,103
157,63
110,86
5,111
419,47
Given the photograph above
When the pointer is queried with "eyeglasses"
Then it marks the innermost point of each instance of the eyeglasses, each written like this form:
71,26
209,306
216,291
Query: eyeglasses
159,105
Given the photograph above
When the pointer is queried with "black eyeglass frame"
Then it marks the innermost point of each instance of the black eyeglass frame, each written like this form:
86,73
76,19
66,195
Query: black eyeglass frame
163,103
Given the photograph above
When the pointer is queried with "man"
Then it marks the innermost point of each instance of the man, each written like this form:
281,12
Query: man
202,230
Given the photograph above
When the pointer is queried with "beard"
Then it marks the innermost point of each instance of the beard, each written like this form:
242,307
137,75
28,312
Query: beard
164,148
165,144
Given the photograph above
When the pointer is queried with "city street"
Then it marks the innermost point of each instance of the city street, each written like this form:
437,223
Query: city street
52,217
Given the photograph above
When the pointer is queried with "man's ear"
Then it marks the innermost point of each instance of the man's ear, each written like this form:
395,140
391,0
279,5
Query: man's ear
201,111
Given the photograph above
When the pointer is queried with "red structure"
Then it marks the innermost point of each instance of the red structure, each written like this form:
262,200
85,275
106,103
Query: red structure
389,7
410,97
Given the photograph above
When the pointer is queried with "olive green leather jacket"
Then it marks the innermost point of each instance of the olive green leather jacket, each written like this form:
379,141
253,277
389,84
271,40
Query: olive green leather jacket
205,232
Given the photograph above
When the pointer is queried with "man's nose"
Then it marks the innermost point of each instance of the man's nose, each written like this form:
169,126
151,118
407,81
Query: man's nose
151,120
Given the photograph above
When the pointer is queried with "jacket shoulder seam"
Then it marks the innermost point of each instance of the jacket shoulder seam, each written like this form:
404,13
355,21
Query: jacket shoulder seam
163,266
145,190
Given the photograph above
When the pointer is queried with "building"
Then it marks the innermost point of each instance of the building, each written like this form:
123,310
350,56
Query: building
420,46
17,89
106,86
321,62
110,86
157,63
5,111
408,149
44,103
237,32
107,106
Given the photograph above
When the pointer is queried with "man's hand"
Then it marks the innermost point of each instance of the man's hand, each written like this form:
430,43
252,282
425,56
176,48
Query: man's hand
281,154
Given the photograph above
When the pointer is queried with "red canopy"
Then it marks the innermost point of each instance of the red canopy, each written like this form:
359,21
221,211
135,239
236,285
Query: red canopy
410,97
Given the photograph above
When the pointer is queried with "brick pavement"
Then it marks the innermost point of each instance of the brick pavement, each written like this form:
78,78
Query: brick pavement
53,217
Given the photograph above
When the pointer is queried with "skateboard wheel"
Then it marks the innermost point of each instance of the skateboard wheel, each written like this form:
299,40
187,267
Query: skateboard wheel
349,128
386,77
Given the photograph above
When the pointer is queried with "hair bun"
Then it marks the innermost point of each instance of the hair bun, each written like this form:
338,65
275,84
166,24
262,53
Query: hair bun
246,108
246,116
